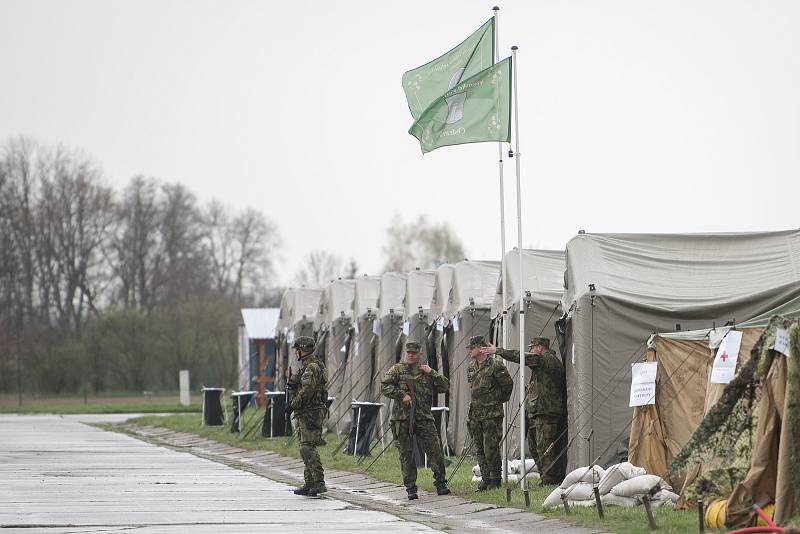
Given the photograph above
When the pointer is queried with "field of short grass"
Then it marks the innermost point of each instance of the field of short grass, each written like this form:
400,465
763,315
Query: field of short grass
118,403
387,467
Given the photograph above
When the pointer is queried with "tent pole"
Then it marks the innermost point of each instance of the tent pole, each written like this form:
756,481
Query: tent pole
521,326
503,280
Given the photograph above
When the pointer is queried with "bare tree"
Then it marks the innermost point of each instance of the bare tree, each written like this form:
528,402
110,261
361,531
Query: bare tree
240,249
420,244
319,268
136,261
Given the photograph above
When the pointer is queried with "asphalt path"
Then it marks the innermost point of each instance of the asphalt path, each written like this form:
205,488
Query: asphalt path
58,474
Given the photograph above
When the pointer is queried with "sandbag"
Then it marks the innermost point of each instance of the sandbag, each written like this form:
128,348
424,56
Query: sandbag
476,470
580,491
665,498
530,466
476,479
639,486
615,500
583,474
554,500
618,473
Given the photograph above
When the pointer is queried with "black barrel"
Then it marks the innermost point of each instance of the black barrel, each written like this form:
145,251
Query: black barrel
212,407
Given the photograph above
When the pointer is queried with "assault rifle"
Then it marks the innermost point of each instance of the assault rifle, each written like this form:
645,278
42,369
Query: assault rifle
412,415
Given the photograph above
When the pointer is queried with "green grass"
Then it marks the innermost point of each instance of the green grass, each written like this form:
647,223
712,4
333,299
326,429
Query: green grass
75,408
387,467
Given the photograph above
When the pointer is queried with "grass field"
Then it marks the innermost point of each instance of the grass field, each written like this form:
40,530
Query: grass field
619,520
123,403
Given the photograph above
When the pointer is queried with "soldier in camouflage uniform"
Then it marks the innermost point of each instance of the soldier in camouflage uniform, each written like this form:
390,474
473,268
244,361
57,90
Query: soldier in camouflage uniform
490,386
546,407
406,382
309,403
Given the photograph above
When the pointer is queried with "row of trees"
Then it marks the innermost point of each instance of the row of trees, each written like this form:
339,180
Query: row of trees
104,289
118,290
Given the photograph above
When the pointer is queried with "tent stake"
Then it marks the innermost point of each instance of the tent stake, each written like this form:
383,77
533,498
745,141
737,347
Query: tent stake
649,510
700,516
599,503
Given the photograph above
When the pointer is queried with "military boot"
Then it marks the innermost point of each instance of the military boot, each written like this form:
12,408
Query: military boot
317,488
483,486
303,490
442,490
412,493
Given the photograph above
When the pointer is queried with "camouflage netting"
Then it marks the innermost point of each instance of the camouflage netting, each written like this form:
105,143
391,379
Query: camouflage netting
793,416
724,441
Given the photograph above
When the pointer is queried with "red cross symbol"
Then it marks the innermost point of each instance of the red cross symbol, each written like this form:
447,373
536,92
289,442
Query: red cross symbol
724,357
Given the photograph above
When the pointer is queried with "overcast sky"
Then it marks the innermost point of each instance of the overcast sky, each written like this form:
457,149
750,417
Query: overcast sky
679,116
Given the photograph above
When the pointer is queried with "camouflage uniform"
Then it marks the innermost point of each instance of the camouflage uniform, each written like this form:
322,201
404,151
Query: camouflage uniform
546,407
427,386
310,406
490,386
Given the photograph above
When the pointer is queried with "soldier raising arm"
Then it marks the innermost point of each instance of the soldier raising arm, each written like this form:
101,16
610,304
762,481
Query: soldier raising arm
546,407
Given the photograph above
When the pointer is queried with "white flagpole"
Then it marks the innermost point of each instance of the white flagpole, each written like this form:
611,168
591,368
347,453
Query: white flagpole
522,396
502,317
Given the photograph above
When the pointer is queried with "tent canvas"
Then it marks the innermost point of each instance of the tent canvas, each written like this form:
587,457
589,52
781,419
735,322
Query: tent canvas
334,322
684,393
646,283
543,288
298,311
390,329
469,307
435,345
420,285
362,351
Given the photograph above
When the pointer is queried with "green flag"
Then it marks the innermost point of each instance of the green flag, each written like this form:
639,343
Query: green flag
476,110
425,84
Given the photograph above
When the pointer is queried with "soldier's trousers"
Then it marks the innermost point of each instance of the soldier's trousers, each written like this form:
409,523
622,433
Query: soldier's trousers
426,435
486,435
310,428
544,430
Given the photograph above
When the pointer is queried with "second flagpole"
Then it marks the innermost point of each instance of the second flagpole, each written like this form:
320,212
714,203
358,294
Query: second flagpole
522,397
503,281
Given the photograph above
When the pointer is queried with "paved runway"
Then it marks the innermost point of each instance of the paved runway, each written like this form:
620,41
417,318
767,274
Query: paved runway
59,475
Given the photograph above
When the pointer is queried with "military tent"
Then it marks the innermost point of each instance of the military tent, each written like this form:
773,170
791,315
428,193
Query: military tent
684,393
362,350
622,287
298,311
334,323
436,348
388,328
468,308
542,287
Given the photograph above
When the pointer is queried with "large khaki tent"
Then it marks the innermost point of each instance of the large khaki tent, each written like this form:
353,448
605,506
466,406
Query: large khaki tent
684,393
362,351
623,287
417,310
436,348
468,307
389,328
298,313
542,286
334,325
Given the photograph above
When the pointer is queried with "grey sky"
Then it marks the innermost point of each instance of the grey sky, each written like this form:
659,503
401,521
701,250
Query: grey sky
679,116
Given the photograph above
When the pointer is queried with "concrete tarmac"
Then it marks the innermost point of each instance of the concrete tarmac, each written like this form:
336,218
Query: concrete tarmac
60,475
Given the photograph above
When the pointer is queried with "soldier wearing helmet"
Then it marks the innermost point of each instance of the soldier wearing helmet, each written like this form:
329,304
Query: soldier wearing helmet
310,406
546,407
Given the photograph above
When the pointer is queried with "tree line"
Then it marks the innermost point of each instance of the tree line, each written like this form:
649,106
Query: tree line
116,290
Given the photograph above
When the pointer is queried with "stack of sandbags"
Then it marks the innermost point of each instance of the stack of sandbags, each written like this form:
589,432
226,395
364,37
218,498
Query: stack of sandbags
624,484
577,488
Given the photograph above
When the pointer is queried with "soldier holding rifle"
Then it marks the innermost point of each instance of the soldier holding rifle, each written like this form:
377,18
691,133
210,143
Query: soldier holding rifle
413,387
